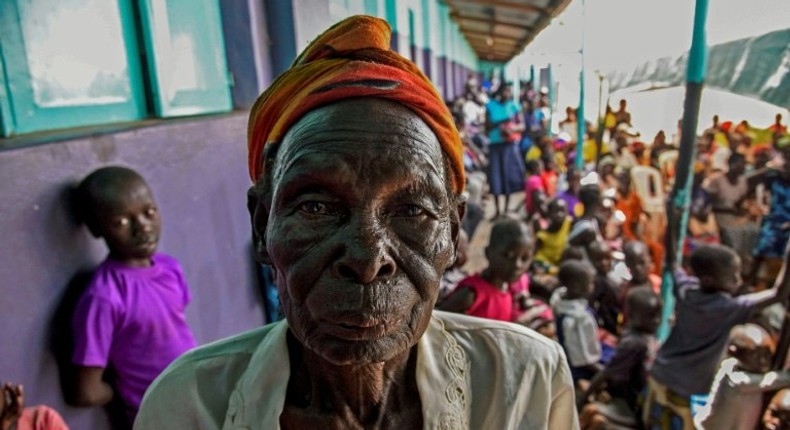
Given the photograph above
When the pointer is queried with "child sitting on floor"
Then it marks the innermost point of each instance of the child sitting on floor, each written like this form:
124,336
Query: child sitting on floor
705,312
736,397
15,416
640,265
504,283
551,242
625,376
131,316
577,329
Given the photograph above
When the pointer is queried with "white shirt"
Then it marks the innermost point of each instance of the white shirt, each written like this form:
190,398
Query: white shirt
472,373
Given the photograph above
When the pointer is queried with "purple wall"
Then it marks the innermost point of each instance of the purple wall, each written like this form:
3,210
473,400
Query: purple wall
427,57
197,171
442,75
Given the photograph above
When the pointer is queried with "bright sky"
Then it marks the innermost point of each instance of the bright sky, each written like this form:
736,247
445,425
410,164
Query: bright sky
642,29
620,34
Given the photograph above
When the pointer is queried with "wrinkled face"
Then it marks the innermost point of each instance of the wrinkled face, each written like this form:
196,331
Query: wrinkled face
360,229
128,219
509,258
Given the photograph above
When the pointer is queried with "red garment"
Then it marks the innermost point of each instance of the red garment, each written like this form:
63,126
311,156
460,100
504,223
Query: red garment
631,207
549,179
534,183
40,418
490,302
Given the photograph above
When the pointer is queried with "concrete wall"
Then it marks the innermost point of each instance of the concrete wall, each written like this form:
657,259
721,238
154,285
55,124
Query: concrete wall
197,170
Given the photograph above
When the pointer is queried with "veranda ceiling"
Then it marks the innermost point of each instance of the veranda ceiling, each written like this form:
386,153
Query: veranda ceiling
499,30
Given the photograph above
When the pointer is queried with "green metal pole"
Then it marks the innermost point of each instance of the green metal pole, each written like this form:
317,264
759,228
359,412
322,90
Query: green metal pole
580,111
551,102
680,198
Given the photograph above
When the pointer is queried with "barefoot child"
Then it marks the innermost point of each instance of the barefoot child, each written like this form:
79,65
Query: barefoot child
497,291
131,316
705,313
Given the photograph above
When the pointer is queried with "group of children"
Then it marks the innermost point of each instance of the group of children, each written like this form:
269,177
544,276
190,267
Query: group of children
556,272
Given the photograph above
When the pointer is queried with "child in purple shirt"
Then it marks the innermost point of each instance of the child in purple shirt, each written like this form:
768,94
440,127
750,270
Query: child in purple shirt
131,316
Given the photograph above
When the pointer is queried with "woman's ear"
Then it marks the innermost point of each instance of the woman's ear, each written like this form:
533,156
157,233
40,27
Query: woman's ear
455,227
259,218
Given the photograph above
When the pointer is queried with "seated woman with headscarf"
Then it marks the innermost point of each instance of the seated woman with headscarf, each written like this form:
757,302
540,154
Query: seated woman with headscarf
357,207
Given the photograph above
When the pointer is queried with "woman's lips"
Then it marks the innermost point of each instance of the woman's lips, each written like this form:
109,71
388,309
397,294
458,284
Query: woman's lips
360,329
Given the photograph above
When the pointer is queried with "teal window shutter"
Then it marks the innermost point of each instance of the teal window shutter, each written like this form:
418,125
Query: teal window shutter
56,74
186,56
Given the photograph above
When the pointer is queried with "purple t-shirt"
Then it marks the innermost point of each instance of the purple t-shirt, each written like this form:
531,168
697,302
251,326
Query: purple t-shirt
132,319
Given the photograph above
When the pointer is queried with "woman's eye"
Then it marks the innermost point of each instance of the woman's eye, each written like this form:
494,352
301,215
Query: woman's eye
409,210
315,208
122,222
151,211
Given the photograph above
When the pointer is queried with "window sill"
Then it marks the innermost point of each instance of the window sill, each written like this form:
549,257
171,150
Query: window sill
52,136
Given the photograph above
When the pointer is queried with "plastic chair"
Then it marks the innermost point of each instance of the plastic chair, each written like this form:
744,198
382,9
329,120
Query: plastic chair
649,186
667,161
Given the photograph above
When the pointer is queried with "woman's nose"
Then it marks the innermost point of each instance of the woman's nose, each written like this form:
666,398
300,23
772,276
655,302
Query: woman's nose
366,255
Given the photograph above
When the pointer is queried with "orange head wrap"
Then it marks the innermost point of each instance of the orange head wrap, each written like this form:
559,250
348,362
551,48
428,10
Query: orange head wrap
350,59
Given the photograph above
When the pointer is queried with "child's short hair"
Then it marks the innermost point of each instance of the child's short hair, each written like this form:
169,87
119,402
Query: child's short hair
89,189
640,300
708,259
575,275
590,194
508,228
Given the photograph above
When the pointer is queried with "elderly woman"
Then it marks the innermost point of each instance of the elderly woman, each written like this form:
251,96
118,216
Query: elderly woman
357,206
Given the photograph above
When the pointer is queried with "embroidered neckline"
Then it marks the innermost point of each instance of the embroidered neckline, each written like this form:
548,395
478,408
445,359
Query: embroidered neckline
456,392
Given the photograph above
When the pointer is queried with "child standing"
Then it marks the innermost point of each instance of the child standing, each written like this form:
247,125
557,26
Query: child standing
704,314
736,397
625,376
131,316
577,329
497,292
605,299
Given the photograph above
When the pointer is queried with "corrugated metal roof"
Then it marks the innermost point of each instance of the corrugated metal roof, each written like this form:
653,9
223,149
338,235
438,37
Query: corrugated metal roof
499,30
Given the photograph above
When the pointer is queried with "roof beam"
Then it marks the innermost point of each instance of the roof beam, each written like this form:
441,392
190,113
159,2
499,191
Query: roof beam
504,4
492,50
491,21
495,37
